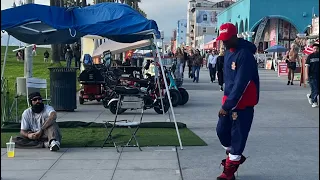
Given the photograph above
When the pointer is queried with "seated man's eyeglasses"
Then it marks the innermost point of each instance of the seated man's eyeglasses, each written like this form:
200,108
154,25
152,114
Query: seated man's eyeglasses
36,99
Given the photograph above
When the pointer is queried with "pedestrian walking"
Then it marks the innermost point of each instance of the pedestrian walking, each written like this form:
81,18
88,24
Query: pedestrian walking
68,55
46,56
185,58
211,64
19,55
219,66
34,50
190,60
77,55
292,58
196,64
180,60
312,75
240,96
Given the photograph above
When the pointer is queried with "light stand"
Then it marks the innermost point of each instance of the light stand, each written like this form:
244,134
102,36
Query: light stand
162,37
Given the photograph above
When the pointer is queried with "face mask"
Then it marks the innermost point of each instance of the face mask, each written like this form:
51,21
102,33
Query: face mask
37,108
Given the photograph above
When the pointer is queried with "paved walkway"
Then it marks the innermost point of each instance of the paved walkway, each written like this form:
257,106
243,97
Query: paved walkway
283,143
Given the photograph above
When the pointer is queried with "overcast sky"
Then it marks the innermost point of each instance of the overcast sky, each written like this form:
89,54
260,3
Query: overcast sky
165,12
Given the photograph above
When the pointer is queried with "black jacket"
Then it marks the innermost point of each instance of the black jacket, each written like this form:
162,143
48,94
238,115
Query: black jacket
220,62
46,54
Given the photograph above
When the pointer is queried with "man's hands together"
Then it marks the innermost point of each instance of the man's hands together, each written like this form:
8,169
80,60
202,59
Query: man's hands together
35,135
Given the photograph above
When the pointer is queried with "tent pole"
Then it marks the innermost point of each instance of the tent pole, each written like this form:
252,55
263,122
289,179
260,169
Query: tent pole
158,81
5,58
168,95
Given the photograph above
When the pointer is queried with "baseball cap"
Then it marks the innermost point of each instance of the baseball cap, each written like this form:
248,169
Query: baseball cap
226,31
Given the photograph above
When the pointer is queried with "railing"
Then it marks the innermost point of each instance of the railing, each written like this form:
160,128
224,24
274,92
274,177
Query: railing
4,100
9,112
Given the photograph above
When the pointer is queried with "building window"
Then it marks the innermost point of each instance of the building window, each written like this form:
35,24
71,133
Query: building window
205,18
204,30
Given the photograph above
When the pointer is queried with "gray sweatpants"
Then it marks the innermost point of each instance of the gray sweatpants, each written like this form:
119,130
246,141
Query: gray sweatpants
51,133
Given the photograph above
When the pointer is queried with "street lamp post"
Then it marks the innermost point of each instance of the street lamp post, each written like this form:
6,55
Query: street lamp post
249,35
28,54
162,37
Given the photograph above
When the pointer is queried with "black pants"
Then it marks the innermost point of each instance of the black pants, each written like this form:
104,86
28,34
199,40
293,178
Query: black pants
184,66
212,72
233,129
220,78
77,63
314,85
190,71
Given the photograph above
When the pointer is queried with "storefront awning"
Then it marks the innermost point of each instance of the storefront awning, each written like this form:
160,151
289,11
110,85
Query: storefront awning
210,45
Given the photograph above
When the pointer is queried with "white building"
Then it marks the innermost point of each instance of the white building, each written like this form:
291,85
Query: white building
204,39
202,19
181,32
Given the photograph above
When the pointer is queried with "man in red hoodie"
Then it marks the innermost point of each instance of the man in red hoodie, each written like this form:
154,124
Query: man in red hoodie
240,96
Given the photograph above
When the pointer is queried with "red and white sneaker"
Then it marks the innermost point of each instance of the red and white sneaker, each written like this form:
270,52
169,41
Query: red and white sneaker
229,169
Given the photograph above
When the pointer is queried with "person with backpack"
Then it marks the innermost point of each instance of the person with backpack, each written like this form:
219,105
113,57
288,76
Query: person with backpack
46,56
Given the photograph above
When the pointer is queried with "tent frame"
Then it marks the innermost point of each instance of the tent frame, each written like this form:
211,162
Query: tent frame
167,92
158,59
163,76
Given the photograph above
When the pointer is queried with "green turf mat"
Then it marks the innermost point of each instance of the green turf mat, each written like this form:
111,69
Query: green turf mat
94,137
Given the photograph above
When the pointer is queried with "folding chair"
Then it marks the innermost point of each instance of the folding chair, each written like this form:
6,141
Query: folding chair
36,84
125,101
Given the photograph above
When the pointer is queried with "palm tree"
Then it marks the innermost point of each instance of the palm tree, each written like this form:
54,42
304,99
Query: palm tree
133,3
84,3
55,47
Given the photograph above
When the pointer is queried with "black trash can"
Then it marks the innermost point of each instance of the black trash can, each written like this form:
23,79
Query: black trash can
63,90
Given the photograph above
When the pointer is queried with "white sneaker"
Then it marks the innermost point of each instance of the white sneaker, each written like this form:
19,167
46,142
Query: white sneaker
54,145
309,99
314,105
46,144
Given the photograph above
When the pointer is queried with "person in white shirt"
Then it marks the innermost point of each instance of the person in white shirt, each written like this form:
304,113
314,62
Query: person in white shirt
212,60
38,126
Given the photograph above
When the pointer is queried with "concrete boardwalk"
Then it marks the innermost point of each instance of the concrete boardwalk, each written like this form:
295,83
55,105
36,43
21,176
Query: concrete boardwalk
283,143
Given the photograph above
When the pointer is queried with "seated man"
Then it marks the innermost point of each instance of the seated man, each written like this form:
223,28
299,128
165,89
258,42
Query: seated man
38,126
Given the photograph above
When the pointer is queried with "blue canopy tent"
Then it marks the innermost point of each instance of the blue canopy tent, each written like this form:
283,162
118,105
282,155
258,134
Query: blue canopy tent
40,24
276,48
